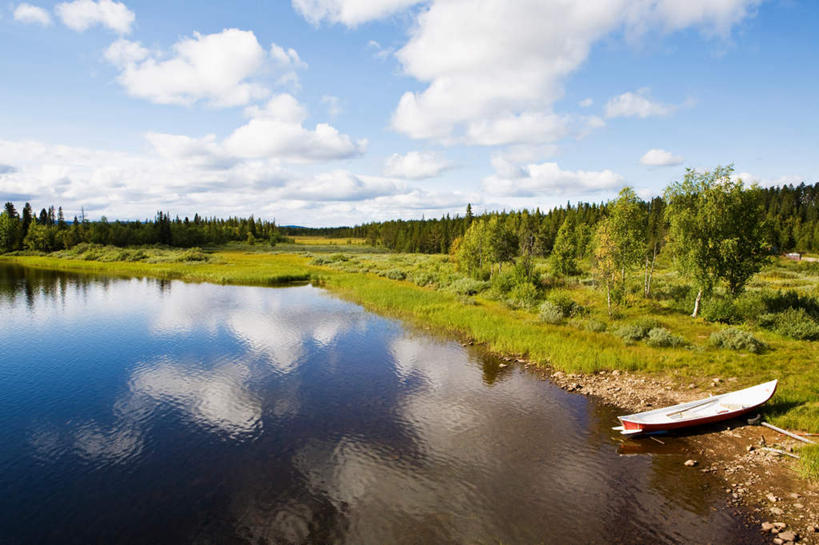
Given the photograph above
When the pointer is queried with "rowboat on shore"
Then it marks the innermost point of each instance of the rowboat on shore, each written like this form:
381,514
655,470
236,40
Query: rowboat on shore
694,413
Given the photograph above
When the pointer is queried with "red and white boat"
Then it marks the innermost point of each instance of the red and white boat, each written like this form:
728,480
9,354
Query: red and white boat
694,413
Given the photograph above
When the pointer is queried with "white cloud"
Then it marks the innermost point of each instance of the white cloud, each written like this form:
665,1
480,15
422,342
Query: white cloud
341,186
585,103
349,12
26,13
277,131
81,15
494,68
637,104
218,69
660,158
537,179
416,165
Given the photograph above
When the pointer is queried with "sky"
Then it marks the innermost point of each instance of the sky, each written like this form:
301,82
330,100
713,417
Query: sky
340,112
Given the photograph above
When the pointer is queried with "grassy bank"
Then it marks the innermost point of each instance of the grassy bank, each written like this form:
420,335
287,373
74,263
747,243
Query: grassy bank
430,291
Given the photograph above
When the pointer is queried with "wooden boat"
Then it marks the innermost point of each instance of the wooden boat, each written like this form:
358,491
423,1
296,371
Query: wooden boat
694,413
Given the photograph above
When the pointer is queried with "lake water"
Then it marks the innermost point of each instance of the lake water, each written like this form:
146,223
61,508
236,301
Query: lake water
151,412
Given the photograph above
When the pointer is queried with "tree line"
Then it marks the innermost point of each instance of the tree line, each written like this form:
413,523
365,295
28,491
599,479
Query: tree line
49,231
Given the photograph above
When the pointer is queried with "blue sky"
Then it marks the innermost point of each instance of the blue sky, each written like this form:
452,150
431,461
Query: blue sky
328,112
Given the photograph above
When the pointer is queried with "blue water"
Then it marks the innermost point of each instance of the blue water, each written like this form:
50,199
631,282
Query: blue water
146,411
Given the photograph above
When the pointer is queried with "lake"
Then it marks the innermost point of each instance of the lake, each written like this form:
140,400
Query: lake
150,412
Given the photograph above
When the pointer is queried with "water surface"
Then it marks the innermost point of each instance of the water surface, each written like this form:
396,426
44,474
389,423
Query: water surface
149,412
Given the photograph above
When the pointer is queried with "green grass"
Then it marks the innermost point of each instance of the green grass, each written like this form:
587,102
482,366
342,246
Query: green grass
430,295
809,462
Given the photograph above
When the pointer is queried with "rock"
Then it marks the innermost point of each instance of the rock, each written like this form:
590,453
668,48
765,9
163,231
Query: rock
690,463
798,506
795,495
788,535
767,526
812,529
771,497
692,386
776,511
716,380
780,526
778,541
502,365
750,448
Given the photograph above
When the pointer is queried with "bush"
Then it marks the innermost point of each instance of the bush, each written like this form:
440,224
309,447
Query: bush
565,303
736,339
550,313
424,279
523,295
638,330
596,325
395,274
794,323
750,306
502,283
630,332
468,286
721,310
660,337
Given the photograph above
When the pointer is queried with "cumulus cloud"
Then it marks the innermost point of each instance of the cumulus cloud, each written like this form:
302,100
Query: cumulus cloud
81,15
637,104
349,12
493,69
26,13
218,69
660,158
585,103
186,175
536,179
277,130
416,165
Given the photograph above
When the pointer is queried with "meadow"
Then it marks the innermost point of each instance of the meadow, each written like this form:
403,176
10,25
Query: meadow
564,324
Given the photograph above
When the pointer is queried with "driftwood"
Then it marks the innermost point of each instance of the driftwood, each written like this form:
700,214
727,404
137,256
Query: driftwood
788,433
777,451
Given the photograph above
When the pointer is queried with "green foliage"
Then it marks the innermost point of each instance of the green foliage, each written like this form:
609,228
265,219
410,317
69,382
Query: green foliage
716,229
736,339
468,286
523,295
565,303
795,323
563,260
721,310
637,330
595,325
660,337
550,313
395,274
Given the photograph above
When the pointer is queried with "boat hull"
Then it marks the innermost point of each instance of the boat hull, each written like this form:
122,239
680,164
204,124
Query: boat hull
696,413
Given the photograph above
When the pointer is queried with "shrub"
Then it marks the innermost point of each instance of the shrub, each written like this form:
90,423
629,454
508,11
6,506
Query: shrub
565,303
721,310
637,330
523,295
750,306
736,339
502,283
595,325
550,313
660,337
395,274
630,332
795,323
468,286
424,279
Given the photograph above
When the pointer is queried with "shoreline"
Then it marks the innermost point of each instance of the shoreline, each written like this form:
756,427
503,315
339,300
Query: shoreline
752,476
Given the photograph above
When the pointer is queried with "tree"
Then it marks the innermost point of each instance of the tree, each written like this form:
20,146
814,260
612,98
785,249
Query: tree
716,230
8,232
606,266
627,224
563,260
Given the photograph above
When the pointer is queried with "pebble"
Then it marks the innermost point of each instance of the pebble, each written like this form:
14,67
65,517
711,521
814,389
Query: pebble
776,511
798,505
778,541
771,497
767,526
812,529
690,463
787,535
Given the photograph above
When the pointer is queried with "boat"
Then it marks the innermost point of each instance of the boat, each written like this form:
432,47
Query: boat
703,411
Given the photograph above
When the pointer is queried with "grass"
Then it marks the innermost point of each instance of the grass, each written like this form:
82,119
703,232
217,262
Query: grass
430,291
809,462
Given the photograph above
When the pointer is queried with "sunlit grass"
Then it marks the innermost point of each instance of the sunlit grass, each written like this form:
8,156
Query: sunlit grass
809,462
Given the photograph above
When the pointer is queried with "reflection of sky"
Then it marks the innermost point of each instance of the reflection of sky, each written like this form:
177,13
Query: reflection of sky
300,418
